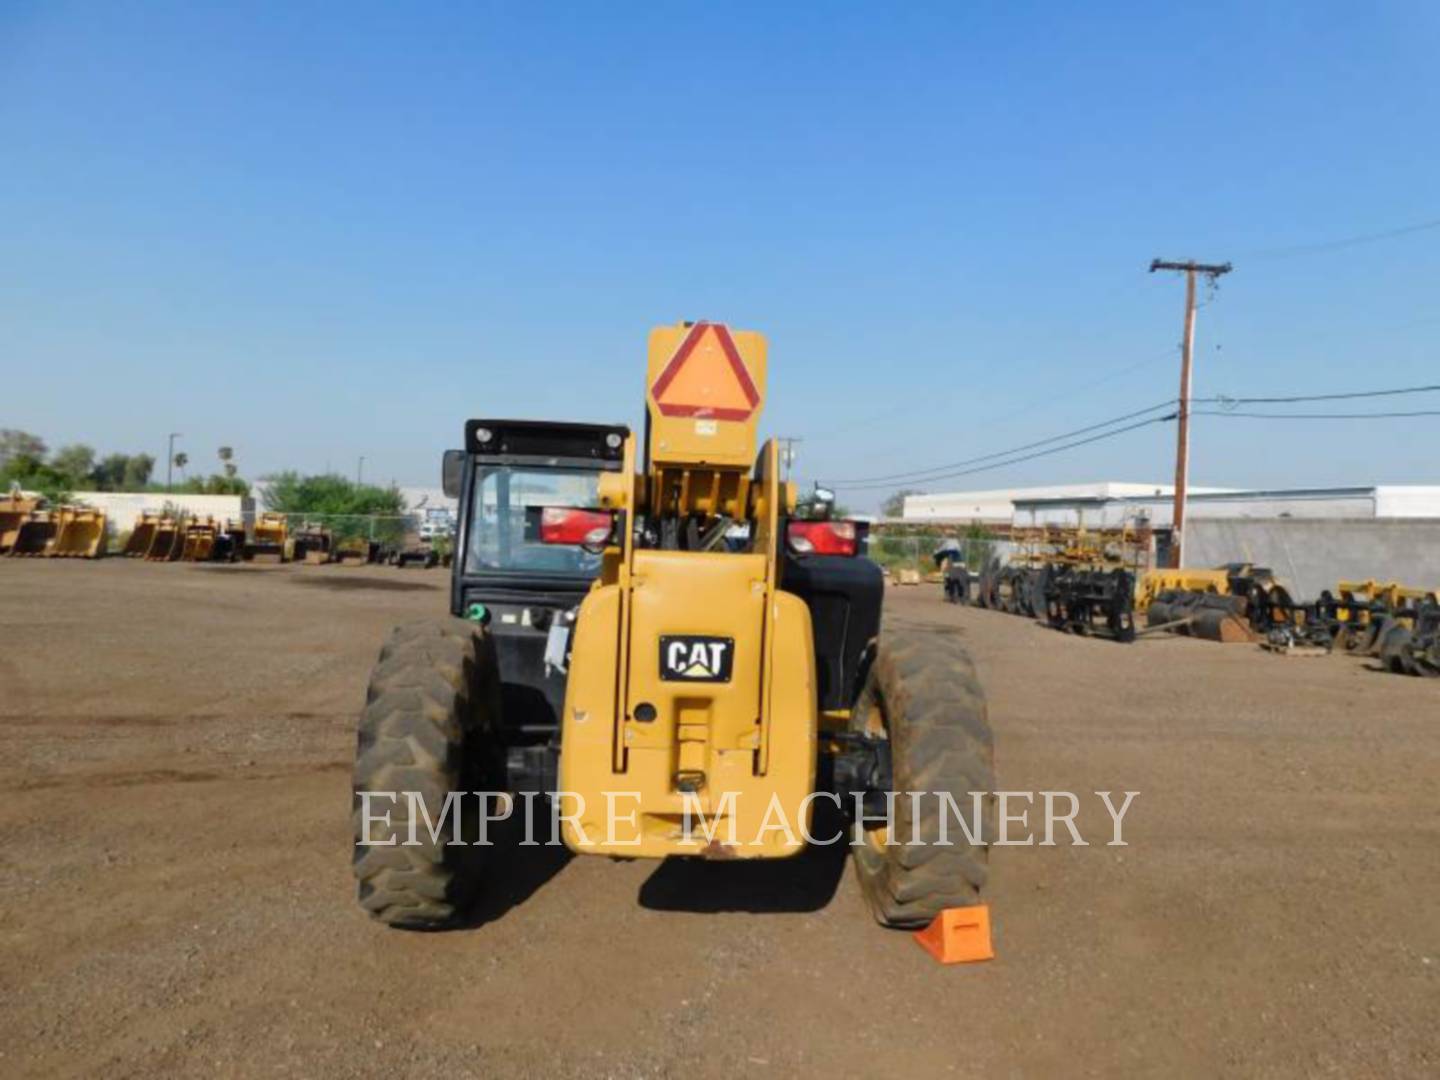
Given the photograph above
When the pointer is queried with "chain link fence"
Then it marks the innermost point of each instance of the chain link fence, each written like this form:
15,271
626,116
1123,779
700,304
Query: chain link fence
385,532
894,551
388,530
897,552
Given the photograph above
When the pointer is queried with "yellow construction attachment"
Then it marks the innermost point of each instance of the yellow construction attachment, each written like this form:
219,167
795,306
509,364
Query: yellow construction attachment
137,544
356,549
15,510
167,542
1390,595
34,534
1153,582
79,533
1081,547
268,539
313,545
199,541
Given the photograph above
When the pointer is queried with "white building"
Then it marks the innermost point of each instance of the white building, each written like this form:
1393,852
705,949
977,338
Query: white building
1096,511
123,507
425,500
997,506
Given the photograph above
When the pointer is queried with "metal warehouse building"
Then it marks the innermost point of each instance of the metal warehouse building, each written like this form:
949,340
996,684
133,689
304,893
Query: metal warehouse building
1359,503
997,506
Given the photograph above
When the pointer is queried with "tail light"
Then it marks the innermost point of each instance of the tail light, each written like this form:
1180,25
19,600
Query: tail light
588,528
821,537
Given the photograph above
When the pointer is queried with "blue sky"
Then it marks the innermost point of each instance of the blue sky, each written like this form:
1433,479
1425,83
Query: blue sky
315,231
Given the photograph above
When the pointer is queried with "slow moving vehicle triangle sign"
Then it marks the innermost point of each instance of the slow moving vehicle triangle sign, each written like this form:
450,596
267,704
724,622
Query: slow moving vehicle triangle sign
706,378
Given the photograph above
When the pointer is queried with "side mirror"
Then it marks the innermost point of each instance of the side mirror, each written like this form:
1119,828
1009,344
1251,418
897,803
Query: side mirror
451,470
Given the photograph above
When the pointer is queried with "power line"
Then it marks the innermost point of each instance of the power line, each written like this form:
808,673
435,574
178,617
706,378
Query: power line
1316,416
959,468
1027,457
921,475
1349,241
1113,375
873,418
1223,399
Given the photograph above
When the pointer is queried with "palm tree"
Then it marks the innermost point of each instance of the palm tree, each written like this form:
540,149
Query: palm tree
181,460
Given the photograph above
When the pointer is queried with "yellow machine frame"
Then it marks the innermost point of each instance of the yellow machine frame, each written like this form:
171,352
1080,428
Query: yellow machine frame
1153,582
651,766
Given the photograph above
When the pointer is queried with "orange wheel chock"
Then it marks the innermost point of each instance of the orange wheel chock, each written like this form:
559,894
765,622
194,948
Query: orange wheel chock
959,935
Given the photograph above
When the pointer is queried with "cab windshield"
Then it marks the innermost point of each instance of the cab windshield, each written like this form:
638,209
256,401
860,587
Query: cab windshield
499,499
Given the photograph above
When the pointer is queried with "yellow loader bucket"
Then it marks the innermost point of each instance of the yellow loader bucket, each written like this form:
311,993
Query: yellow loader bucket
34,534
167,542
199,544
79,533
137,546
14,511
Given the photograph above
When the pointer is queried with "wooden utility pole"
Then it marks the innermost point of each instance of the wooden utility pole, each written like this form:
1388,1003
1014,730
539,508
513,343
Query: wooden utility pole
1187,349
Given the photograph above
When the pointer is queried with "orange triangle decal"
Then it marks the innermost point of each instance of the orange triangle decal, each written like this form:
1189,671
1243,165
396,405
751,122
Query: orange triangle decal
706,377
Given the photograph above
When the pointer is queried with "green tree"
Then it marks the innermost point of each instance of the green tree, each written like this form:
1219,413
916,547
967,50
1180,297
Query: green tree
75,462
32,474
346,505
109,472
215,484
329,493
75,467
137,472
16,443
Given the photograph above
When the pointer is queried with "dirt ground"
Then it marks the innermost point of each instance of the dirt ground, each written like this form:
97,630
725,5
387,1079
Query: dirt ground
175,893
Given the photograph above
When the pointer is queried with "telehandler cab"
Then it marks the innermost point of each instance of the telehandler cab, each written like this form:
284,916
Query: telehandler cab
646,628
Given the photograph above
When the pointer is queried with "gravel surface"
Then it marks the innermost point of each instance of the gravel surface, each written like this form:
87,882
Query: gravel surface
175,895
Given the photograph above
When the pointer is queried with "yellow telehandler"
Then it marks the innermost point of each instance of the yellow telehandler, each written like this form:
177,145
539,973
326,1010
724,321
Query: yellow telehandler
644,629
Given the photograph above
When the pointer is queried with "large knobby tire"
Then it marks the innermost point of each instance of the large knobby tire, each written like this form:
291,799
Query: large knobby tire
923,691
429,716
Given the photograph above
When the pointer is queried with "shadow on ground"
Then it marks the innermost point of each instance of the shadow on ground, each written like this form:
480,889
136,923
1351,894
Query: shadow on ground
355,584
806,882
510,874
